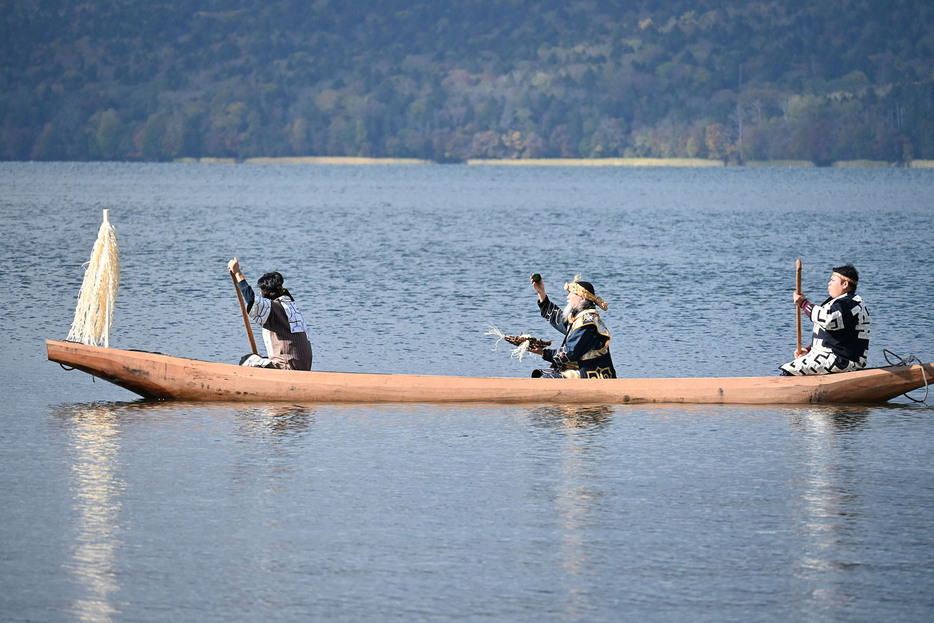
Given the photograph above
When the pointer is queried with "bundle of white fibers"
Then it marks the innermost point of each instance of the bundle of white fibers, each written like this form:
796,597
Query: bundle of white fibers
94,311
519,351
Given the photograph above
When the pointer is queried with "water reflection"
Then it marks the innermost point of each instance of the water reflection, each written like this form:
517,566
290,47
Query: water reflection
829,504
96,494
577,494
269,460
275,420
831,417
596,417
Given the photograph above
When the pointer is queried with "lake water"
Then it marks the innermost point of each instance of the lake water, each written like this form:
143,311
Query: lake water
117,509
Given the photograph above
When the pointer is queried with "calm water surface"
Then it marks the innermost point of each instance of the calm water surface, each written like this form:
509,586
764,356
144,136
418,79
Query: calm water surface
116,509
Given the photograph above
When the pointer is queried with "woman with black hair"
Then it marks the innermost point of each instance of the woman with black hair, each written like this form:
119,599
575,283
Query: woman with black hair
284,328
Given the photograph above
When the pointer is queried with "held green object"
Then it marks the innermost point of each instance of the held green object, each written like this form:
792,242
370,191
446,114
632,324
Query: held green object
536,277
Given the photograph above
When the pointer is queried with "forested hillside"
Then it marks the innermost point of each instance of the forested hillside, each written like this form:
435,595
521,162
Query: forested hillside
733,80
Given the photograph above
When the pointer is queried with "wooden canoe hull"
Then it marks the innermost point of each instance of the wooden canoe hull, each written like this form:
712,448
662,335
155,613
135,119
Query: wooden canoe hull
163,377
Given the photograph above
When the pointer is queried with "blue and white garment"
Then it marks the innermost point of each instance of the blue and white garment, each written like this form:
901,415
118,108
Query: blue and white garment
284,331
840,341
585,351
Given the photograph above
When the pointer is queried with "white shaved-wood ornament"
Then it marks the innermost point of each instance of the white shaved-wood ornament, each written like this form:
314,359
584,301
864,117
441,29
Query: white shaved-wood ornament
522,342
94,311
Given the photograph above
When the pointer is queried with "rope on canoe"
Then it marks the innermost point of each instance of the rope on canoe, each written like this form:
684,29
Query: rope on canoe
907,361
69,369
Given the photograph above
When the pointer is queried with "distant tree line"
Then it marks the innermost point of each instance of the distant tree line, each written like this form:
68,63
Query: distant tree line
718,79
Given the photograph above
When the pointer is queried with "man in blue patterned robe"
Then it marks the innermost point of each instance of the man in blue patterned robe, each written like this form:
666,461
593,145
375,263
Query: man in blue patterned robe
585,351
840,341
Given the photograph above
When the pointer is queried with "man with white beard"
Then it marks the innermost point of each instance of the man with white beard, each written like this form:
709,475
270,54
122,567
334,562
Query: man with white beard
585,351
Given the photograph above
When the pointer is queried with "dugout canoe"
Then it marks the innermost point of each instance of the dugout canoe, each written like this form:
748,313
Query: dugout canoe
163,377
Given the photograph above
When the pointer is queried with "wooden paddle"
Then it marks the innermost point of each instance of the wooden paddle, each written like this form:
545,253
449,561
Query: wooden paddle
246,319
797,307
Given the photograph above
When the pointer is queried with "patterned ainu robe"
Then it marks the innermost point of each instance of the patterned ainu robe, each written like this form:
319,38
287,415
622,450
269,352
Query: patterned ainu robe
585,351
840,341
284,331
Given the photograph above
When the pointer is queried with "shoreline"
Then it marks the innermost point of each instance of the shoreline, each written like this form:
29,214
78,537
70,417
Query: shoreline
560,162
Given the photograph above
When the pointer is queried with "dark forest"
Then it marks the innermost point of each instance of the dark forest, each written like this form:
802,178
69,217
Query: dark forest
729,80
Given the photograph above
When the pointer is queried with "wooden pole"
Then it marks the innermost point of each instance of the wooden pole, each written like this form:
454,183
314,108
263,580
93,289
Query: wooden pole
797,307
246,318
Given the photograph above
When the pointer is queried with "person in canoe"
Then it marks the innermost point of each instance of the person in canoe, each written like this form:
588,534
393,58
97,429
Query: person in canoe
585,351
840,341
284,328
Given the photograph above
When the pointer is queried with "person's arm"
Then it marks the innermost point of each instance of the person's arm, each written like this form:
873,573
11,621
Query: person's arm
553,314
803,302
539,286
549,310
807,307
233,267
249,297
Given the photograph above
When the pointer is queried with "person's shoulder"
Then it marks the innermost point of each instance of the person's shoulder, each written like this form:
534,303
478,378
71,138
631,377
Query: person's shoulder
588,316
849,304
846,302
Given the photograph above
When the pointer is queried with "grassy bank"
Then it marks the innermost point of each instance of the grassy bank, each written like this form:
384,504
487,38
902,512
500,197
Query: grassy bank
560,162
604,162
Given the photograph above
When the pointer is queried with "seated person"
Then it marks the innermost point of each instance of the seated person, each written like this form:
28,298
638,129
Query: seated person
585,351
284,328
840,340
